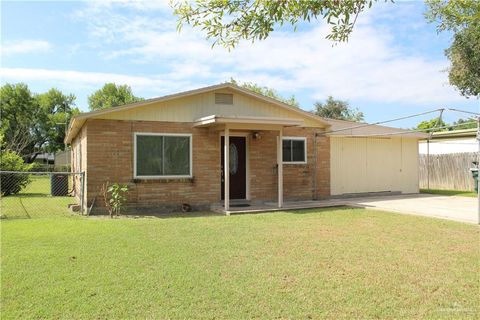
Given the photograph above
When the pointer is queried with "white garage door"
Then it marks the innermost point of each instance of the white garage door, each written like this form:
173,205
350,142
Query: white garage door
361,165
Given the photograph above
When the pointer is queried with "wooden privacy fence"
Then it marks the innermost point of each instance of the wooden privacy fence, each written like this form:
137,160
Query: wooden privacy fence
447,171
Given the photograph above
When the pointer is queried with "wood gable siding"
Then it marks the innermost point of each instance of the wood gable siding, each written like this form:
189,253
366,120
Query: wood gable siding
191,108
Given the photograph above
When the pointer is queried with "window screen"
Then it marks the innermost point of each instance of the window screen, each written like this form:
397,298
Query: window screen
163,155
294,150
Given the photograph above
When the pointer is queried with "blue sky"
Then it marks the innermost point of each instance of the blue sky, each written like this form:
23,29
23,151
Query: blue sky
392,66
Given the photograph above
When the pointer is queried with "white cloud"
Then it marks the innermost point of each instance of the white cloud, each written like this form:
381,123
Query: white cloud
371,66
93,80
25,46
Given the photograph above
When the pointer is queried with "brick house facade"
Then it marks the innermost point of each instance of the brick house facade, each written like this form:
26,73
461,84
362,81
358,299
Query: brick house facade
108,157
177,149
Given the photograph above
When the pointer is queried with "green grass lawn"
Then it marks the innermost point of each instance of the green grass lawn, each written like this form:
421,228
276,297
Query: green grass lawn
35,201
329,263
450,192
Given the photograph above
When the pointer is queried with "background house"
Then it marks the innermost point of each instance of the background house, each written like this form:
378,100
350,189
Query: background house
446,158
446,142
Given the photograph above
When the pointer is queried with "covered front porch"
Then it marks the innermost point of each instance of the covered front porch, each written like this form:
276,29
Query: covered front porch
251,128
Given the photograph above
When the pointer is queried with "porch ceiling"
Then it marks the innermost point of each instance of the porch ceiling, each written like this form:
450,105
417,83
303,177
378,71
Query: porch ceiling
253,123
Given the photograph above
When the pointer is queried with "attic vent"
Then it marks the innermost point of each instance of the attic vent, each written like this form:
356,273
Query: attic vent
223,98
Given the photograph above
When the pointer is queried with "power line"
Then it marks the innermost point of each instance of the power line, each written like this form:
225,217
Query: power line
441,110
381,122
407,132
464,111
439,120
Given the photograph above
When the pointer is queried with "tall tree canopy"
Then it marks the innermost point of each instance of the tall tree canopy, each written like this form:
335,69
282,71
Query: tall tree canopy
337,109
34,123
462,17
462,124
59,109
430,125
266,91
227,22
111,95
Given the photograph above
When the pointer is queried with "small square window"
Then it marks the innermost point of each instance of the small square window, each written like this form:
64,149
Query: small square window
294,150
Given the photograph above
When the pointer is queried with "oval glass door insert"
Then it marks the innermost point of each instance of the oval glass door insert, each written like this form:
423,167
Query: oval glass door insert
233,159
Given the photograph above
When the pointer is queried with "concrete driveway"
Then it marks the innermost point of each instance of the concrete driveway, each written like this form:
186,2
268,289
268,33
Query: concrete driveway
457,208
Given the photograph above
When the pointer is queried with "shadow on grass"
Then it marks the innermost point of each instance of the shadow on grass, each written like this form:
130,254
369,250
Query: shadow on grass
206,214
194,214
36,195
450,192
322,209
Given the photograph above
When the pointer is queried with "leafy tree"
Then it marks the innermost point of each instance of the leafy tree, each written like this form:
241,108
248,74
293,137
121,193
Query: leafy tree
111,95
19,114
227,22
13,183
33,123
464,55
462,17
266,91
56,111
462,124
337,109
429,125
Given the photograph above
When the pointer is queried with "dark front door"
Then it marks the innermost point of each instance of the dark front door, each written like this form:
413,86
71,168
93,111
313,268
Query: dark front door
238,170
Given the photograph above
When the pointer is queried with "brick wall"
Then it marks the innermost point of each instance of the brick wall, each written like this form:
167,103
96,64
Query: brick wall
78,162
299,182
110,158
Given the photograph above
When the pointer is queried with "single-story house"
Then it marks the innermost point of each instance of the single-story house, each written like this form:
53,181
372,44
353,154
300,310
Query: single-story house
447,142
225,144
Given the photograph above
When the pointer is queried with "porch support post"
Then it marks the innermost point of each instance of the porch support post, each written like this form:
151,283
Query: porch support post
280,167
226,170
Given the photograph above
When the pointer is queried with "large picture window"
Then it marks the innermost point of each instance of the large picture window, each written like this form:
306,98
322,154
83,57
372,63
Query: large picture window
294,150
163,155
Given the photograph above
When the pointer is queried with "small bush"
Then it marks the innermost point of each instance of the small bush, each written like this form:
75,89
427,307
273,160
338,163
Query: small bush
13,183
115,198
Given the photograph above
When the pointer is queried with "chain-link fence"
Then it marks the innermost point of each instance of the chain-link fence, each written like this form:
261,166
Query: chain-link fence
40,194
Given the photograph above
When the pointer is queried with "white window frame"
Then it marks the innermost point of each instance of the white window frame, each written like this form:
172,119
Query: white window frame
304,139
135,176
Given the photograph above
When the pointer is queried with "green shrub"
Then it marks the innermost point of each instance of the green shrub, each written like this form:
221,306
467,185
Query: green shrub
13,183
115,198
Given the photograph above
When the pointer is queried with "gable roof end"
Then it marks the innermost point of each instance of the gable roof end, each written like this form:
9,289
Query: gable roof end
77,122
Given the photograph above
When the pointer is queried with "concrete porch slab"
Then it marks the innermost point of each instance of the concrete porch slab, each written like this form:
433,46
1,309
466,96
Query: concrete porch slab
456,208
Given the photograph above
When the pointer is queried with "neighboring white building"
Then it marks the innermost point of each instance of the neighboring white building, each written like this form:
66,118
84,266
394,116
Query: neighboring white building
456,141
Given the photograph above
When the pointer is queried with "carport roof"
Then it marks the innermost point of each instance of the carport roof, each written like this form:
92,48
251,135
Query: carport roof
359,129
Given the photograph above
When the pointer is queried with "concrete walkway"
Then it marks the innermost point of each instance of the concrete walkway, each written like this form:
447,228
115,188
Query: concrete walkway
463,209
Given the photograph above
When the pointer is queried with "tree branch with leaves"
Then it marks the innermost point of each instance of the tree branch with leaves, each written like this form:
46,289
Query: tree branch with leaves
462,17
228,22
337,109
